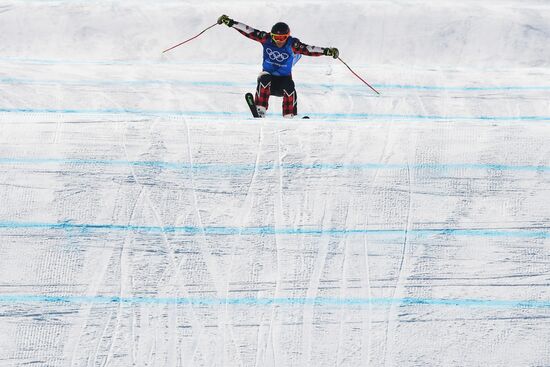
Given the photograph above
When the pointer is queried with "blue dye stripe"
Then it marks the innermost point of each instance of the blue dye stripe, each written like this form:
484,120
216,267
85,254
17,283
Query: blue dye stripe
236,168
319,301
125,83
382,116
463,88
269,230
135,62
121,111
217,83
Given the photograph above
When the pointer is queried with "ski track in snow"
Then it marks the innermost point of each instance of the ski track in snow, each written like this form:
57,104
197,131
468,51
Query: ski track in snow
147,219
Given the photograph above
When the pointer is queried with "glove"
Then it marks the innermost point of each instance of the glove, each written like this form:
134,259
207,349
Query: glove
331,51
226,20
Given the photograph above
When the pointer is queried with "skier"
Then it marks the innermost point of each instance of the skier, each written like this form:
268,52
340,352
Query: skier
281,52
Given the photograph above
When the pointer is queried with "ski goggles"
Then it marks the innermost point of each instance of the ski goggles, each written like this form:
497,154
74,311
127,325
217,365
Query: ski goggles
279,37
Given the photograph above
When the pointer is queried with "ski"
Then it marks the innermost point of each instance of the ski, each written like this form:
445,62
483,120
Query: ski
250,102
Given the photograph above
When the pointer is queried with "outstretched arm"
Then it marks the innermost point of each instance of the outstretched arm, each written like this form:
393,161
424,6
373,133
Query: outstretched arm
301,48
252,33
262,37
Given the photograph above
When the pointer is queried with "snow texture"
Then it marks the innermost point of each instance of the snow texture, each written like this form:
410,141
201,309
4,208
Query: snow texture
147,219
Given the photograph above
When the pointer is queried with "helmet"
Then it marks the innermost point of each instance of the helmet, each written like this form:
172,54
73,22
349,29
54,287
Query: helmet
280,28
280,33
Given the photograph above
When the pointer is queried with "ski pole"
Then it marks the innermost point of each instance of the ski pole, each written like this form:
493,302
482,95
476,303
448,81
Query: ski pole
354,73
190,39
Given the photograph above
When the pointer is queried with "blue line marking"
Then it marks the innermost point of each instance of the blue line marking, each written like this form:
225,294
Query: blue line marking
382,116
464,88
243,168
125,83
199,83
121,111
269,230
319,301
99,62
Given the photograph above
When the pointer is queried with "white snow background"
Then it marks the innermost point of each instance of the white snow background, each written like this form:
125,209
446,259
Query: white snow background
147,220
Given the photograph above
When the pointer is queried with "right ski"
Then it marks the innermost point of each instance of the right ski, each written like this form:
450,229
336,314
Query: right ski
250,102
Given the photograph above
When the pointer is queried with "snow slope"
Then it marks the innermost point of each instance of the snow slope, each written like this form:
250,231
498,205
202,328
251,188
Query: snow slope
146,219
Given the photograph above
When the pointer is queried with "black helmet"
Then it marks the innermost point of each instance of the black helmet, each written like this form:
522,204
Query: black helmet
280,28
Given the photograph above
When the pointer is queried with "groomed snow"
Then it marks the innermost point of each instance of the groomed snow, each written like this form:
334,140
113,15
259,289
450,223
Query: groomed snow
147,219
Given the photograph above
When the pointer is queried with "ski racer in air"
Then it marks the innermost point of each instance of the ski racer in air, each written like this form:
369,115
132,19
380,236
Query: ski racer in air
280,53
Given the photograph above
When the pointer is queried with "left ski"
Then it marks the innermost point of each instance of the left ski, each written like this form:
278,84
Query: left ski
250,102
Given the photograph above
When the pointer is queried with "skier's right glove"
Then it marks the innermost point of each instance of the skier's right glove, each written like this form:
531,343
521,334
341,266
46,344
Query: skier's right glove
331,51
226,20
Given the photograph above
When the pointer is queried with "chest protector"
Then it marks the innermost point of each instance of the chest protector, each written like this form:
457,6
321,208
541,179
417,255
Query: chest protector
279,61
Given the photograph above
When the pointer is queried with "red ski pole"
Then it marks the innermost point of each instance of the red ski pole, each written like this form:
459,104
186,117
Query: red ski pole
190,39
354,73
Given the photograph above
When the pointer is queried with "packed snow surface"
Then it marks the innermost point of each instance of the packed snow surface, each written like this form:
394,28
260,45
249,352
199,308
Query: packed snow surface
146,219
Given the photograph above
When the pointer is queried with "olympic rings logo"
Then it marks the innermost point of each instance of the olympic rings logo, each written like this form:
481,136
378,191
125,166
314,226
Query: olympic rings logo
276,55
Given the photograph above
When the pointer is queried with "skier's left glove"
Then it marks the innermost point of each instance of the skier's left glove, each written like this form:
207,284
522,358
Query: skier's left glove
331,51
226,20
